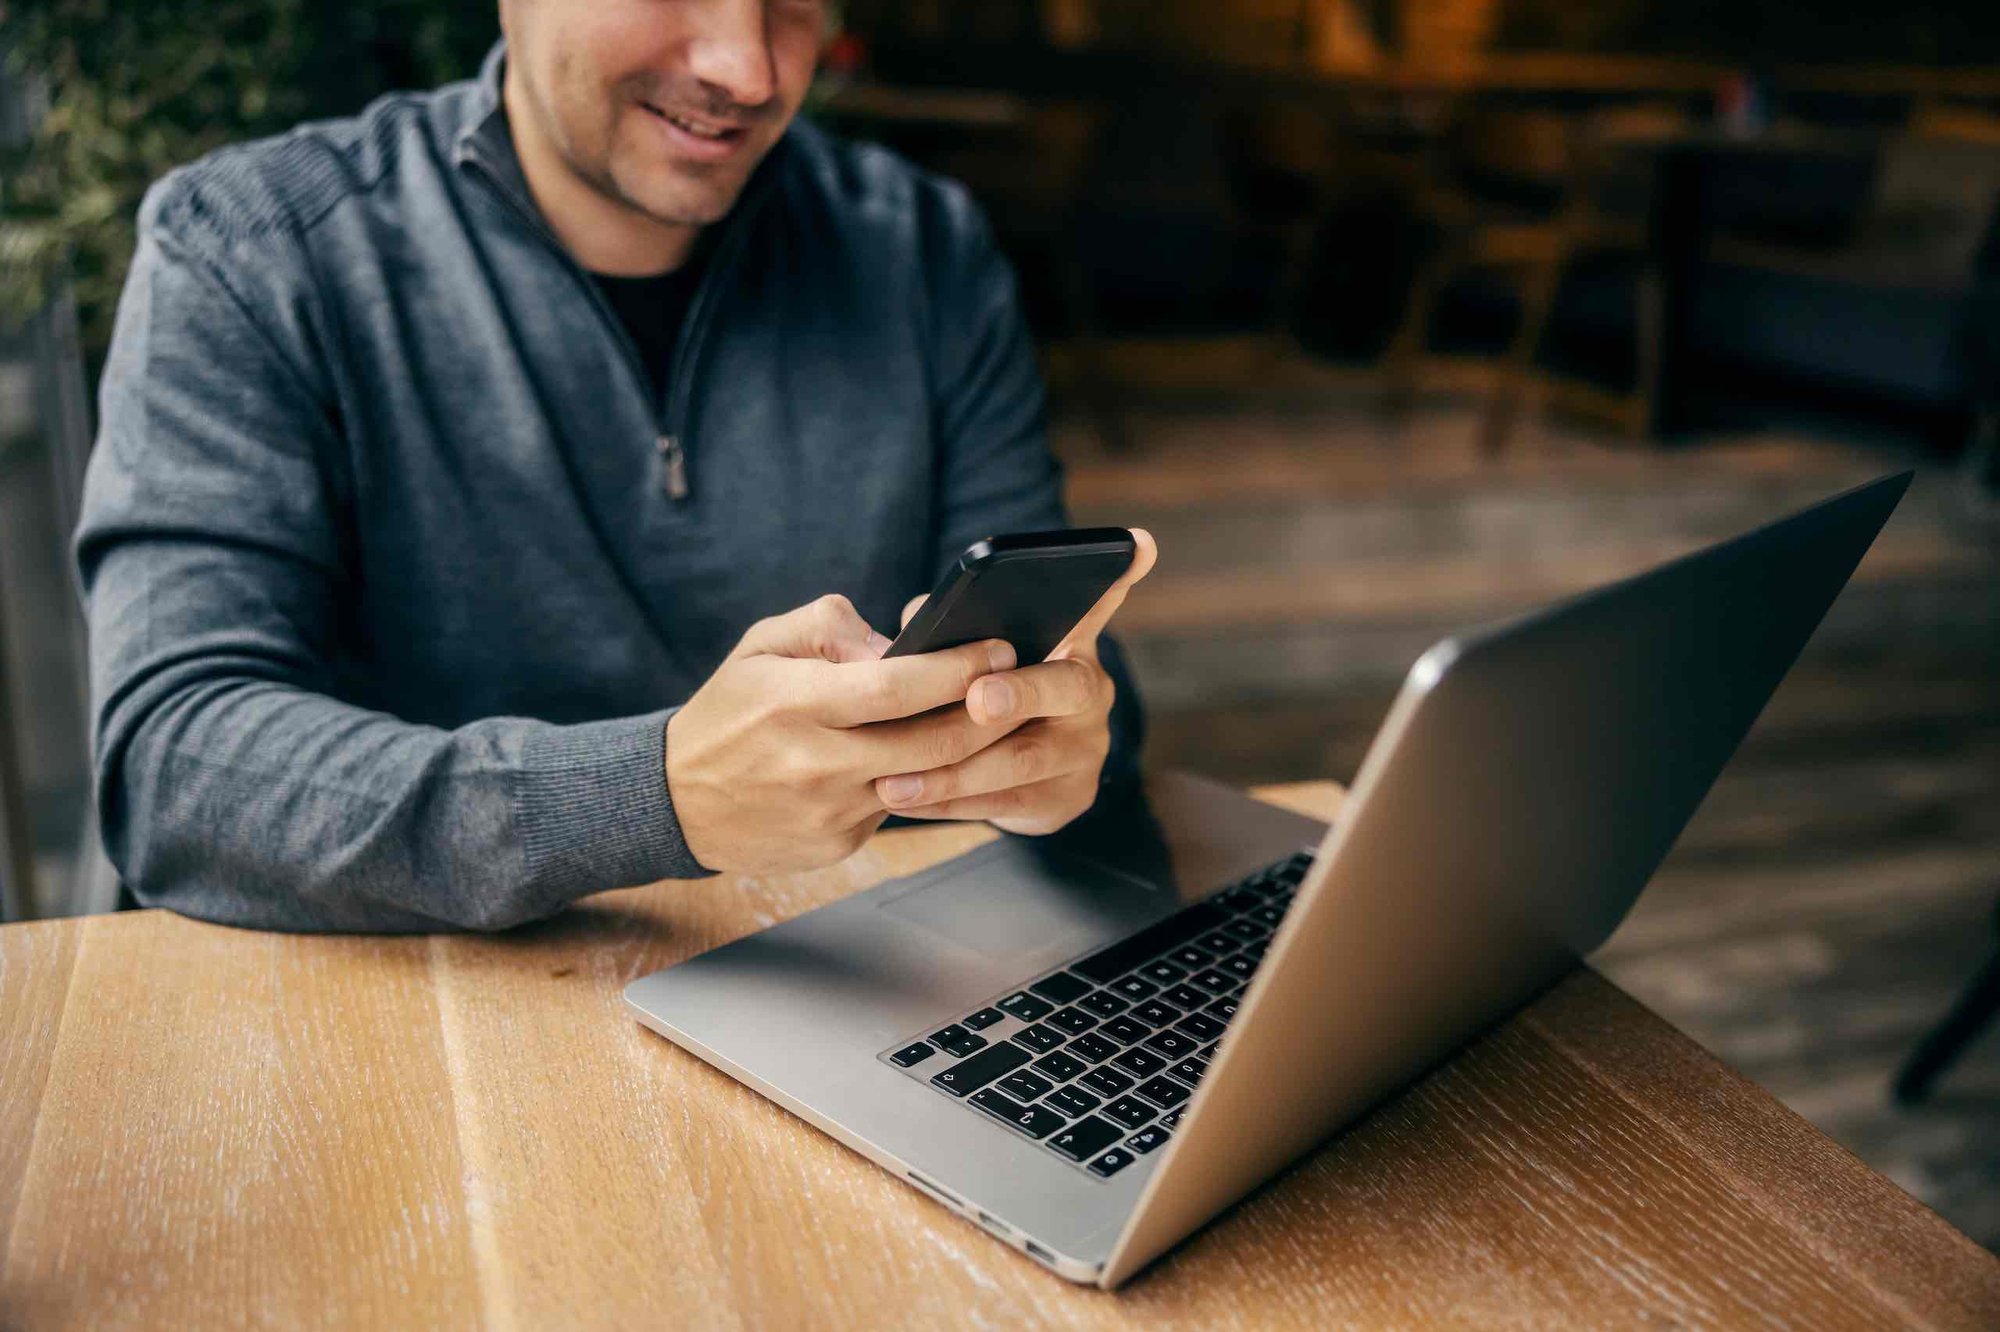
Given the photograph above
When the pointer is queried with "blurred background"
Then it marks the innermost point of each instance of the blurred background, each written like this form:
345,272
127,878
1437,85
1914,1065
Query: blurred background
1387,317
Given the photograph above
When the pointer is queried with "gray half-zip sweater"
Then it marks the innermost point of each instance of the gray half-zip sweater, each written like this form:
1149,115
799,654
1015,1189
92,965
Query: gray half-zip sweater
396,572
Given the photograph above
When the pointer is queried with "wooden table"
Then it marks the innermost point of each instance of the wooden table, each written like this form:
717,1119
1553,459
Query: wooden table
204,1127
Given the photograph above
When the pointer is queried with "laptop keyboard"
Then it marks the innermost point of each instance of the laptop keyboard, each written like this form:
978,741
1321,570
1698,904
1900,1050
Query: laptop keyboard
1097,1061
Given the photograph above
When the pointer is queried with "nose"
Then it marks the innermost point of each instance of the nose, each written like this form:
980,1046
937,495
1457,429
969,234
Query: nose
731,52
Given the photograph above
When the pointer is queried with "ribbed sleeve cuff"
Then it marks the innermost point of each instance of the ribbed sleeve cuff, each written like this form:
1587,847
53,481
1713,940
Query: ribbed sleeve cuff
594,811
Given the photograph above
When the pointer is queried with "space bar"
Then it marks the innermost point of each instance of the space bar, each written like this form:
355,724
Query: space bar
1116,960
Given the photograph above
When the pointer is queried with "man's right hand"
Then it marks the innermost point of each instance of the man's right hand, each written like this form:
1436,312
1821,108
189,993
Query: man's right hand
772,763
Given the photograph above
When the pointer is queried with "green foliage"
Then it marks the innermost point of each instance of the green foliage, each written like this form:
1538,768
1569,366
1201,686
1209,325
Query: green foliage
136,87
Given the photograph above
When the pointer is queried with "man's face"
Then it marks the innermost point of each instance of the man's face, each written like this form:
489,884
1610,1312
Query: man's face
664,106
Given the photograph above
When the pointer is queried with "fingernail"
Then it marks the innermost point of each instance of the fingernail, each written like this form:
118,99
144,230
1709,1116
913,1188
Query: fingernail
996,699
1001,654
902,790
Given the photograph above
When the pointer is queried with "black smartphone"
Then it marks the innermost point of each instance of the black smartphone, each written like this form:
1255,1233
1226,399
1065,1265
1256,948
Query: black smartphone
1029,589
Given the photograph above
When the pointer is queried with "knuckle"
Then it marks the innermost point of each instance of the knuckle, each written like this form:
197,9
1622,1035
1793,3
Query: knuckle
941,784
945,745
794,768
1031,757
881,694
1085,684
833,619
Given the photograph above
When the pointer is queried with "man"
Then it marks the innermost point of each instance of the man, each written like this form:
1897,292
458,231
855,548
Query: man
474,475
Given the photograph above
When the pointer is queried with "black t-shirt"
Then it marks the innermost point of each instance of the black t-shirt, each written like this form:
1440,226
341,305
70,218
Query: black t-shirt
653,310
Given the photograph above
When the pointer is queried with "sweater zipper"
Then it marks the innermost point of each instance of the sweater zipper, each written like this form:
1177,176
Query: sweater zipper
669,439
689,342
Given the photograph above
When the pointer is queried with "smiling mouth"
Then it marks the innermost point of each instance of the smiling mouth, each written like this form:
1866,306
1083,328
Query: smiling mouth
713,131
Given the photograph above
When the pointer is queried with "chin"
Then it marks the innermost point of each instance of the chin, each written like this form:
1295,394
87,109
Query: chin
670,194
684,210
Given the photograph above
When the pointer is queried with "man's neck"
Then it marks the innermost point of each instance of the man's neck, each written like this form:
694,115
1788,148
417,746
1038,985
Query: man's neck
601,234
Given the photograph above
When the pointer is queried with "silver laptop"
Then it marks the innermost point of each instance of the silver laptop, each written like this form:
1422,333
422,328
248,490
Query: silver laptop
1091,1044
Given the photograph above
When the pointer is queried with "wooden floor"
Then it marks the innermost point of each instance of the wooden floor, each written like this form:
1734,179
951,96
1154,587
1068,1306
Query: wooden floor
1839,885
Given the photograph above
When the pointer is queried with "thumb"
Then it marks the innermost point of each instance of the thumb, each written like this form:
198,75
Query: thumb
829,629
1082,640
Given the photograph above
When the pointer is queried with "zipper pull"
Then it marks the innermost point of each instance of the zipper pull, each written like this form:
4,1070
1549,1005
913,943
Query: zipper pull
674,460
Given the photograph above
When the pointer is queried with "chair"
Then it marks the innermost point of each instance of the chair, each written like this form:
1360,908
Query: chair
1979,1003
17,865
1940,1048
1528,192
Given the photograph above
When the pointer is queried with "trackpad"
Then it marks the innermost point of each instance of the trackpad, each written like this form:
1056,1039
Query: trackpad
1004,906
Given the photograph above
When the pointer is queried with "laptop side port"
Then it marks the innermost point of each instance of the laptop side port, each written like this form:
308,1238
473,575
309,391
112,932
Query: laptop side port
934,1190
1038,1252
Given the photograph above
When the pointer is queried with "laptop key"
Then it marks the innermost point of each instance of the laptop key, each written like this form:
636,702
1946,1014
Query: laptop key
1194,959
1039,1038
912,1054
1162,973
1061,988
1025,1086
976,1072
1202,1027
957,1040
1164,1092
1249,931
1173,1044
1105,1081
1216,982
983,1019
1026,1006
1256,950
1188,1070
1217,942
1103,1003
1156,1014
1124,1030
1273,916
1059,1066
1140,1061
1129,1112
1085,1138
1241,899
1072,1020
1241,965
1034,1120
1092,1048
1185,997
1172,1119
1073,1101
1147,1139
1135,988
1150,942
1111,1162
1224,1008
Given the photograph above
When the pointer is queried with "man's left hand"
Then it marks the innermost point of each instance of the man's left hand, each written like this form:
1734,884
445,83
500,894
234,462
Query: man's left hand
1052,726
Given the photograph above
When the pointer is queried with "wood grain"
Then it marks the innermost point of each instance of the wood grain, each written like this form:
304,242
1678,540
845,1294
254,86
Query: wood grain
240,1130
206,1127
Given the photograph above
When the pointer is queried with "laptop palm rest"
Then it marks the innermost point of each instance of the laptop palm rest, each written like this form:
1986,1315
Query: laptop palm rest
1010,908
